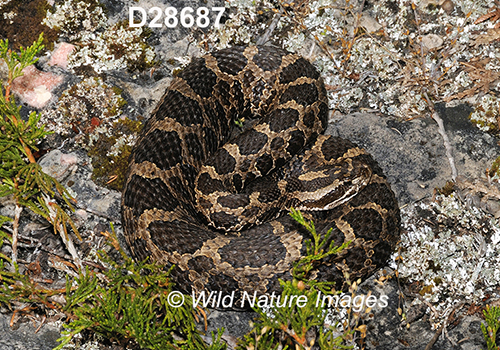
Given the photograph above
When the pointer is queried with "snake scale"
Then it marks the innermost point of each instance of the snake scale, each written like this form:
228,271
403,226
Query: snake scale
215,205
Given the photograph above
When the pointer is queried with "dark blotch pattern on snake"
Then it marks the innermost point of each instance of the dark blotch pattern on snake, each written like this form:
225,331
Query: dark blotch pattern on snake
216,206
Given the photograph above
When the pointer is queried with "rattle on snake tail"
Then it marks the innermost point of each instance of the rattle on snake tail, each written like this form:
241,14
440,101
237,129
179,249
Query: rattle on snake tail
216,207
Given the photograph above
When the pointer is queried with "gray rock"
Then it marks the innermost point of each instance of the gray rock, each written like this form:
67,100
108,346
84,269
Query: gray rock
235,323
24,335
412,153
58,164
74,171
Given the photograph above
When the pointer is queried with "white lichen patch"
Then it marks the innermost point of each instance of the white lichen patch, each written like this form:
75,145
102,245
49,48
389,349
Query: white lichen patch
100,46
485,114
92,345
75,18
241,26
124,140
452,250
322,18
9,16
118,47
3,3
88,107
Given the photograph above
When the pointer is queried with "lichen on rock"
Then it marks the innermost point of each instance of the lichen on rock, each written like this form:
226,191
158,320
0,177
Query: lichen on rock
485,115
118,47
87,107
450,250
75,18
100,46
93,110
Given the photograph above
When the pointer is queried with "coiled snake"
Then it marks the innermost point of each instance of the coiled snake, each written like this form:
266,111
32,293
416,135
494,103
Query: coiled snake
216,207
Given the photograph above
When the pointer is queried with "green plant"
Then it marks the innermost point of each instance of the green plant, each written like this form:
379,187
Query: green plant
23,178
492,317
316,250
129,302
296,320
20,175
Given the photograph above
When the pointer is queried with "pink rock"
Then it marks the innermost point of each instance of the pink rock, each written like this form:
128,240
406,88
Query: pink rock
60,55
35,86
69,159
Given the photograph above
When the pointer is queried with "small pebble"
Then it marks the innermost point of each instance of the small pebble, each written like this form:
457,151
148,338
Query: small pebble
370,24
35,86
448,6
432,41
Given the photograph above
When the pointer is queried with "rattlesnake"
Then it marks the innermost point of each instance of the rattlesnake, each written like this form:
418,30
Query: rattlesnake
217,207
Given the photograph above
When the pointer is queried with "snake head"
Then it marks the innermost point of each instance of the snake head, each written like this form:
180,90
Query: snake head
327,188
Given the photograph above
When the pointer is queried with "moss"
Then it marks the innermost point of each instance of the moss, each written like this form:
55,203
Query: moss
447,189
177,71
116,108
15,29
144,61
425,290
109,171
485,115
110,154
495,168
486,124
134,126
117,90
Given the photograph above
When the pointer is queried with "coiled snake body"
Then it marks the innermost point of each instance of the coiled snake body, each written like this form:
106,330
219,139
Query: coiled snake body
216,207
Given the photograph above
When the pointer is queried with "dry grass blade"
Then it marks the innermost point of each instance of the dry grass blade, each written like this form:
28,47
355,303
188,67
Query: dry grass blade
494,15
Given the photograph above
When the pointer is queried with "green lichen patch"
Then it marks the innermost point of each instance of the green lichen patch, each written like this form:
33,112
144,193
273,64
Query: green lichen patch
14,16
110,154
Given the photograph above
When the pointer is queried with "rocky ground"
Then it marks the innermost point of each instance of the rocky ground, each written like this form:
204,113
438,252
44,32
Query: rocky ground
377,101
